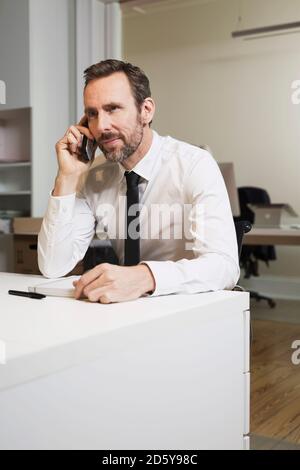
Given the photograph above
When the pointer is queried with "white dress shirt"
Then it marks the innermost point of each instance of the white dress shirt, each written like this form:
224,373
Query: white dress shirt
187,234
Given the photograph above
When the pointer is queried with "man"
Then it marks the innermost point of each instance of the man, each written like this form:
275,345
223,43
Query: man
161,202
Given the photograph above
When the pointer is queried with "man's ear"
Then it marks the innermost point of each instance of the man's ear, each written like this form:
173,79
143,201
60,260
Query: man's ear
148,110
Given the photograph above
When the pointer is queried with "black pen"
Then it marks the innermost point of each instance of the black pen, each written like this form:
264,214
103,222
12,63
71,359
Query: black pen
31,295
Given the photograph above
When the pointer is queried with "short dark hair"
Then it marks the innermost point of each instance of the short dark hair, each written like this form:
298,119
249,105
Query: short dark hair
138,80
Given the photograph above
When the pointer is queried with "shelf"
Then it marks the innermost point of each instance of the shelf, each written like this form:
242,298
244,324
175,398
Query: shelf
15,193
14,165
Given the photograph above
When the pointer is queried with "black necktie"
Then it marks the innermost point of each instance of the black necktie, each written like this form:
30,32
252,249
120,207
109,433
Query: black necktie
132,240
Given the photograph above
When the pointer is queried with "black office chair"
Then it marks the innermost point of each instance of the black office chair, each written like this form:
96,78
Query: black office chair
251,254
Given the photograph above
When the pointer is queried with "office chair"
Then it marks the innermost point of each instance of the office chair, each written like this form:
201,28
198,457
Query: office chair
251,254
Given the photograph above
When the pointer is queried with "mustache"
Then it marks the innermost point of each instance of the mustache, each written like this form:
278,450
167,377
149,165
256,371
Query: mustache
108,136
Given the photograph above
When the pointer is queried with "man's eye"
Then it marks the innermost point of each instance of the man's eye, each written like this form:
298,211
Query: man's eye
91,115
113,108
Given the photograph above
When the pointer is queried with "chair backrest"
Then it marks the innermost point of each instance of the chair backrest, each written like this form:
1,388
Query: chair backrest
241,227
251,195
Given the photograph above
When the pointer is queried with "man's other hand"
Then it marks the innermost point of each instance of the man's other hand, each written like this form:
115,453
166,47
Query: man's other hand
107,283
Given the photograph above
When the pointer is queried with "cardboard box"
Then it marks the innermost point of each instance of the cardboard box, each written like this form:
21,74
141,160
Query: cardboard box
25,256
27,225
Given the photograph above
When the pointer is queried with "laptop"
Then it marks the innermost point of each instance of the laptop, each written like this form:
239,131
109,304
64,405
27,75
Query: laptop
270,215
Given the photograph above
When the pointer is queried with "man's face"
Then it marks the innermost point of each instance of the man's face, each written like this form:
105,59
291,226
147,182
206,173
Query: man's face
113,117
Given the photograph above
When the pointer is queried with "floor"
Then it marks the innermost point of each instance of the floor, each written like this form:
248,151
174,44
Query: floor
275,380
267,443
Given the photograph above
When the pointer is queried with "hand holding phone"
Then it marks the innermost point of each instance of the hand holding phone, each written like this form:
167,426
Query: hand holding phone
75,150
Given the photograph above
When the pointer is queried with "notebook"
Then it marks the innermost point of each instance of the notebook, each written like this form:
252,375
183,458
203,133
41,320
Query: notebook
62,287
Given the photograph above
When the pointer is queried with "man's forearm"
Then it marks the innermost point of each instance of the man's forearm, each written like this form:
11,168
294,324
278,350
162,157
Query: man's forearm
208,272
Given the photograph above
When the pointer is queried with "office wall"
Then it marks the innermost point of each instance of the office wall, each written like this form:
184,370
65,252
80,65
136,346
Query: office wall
231,94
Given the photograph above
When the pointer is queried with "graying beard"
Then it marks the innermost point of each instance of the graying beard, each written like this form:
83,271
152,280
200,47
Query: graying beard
122,155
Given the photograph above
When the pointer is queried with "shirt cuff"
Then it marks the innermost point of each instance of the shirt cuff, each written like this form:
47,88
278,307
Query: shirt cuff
60,208
166,278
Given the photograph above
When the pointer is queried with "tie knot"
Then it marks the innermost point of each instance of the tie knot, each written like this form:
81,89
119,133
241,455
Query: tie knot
132,179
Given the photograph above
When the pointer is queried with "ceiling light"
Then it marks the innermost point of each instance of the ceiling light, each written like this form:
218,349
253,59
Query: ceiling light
267,29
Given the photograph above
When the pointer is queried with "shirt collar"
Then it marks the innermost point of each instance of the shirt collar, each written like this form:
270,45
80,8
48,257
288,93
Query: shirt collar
145,166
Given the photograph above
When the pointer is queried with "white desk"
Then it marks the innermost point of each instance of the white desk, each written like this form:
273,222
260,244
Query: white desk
169,372
272,236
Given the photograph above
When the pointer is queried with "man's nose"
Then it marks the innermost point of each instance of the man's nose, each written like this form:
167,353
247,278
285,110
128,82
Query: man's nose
103,123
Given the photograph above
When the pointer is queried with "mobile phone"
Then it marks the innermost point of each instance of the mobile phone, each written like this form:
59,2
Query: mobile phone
88,147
